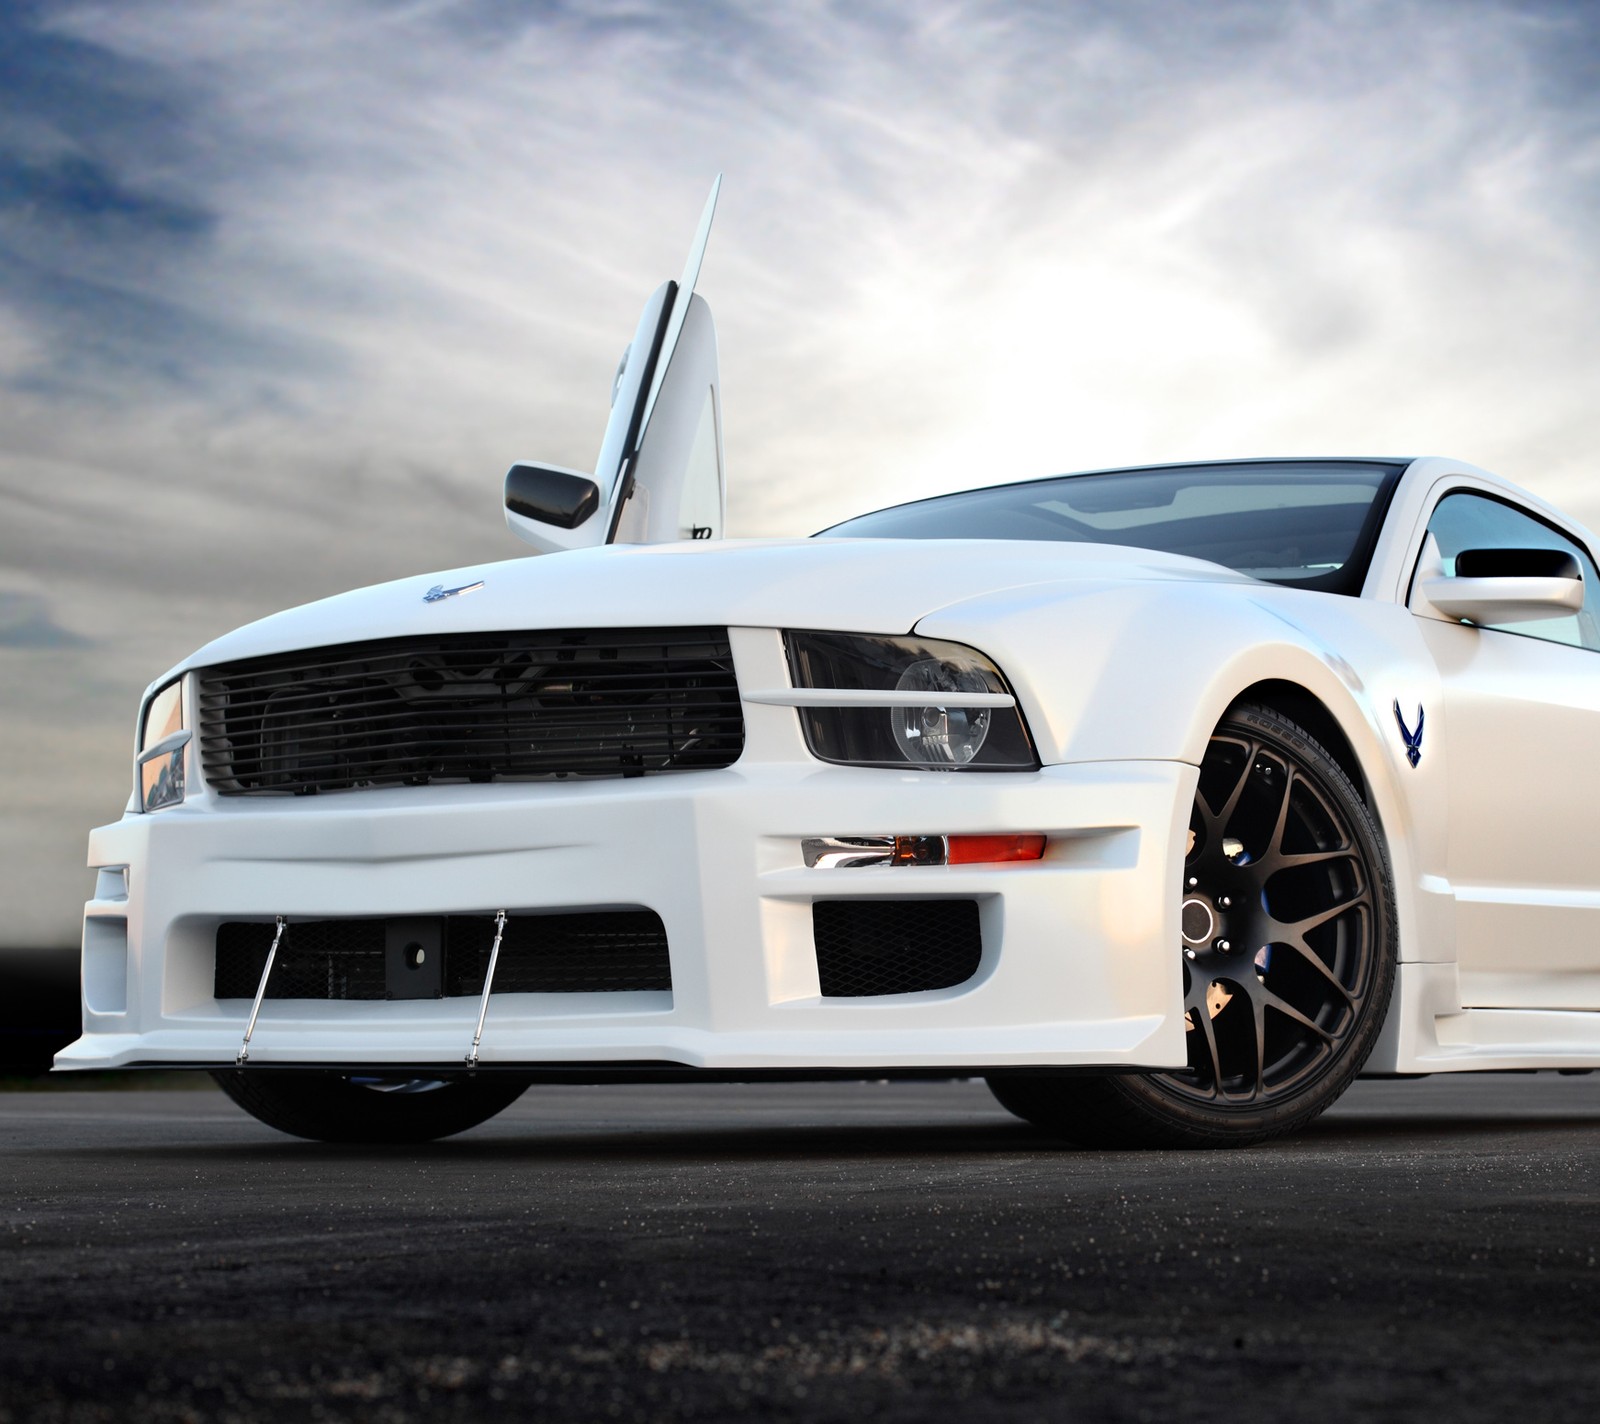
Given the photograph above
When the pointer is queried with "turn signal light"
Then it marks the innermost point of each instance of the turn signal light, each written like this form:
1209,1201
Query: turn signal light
988,850
964,850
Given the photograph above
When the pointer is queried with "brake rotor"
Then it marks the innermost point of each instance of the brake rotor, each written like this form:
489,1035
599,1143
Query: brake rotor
1217,999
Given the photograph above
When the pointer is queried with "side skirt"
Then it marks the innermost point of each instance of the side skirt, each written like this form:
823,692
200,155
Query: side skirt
1429,1032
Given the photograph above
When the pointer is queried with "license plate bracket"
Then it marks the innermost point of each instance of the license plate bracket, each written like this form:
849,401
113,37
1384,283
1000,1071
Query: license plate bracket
413,957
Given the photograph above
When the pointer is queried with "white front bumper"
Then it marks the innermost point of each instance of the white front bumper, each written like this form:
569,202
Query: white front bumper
1079,964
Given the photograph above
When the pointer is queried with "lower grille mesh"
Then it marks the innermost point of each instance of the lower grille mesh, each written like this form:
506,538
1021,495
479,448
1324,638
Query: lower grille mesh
868,947
605,951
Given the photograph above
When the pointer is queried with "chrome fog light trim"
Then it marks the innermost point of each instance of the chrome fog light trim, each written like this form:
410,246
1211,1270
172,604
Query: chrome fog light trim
847,852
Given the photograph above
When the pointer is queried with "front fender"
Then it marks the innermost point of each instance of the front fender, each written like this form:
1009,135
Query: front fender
1120,672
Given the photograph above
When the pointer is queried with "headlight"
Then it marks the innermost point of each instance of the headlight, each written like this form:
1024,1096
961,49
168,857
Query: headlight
939,734
162,743
907,702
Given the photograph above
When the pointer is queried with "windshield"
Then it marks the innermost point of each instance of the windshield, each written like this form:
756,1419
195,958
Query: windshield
1306,523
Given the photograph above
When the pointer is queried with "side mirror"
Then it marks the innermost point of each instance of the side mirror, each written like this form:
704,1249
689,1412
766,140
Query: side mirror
1507,586
549,506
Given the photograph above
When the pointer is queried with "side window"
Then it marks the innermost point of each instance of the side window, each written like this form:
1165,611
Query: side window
1474,521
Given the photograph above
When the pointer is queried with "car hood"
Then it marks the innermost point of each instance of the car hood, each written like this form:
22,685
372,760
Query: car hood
849,585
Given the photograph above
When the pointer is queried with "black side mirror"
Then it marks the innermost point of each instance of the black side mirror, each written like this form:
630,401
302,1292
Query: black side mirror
551,495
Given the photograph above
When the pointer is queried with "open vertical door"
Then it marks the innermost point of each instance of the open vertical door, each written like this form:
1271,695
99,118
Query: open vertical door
659,474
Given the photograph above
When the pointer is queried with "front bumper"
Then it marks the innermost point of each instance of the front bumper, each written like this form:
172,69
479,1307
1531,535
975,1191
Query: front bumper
1079,963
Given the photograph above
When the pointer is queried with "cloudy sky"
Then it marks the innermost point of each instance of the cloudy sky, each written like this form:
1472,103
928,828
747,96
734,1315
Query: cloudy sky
285,287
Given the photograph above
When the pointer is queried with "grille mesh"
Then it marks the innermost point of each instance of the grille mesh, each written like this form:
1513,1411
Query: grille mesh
867,947
324,959
605,951
471,707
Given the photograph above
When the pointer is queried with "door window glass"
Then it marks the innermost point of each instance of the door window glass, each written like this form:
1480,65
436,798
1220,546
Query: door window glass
1474,521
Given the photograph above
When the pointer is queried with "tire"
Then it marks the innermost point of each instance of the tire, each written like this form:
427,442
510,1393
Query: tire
1288,959
340,1107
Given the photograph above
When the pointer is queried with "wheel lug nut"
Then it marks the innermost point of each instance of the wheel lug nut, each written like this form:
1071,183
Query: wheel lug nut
1222,946
1225,903
1188,954
1194,881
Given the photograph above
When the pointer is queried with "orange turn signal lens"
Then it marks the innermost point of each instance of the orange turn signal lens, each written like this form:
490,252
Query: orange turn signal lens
989,850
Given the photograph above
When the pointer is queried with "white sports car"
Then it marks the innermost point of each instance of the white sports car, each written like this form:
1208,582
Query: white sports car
1166,799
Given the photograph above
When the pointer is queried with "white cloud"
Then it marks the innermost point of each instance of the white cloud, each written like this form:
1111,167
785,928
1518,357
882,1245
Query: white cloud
958,244
19,348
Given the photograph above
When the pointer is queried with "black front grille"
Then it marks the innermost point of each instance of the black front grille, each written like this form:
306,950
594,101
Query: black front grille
867,947
601,951
472,707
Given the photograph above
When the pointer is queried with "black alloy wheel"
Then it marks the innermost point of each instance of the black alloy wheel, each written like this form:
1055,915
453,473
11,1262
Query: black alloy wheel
1288,956
368,1108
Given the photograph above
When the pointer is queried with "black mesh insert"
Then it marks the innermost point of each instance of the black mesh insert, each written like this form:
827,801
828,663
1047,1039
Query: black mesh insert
318,959
472,707
867,947
605,951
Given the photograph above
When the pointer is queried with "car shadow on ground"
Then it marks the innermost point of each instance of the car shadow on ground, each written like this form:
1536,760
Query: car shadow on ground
527,1140
688,1144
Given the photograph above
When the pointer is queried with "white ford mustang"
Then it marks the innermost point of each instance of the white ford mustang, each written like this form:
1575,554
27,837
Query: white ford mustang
1166,799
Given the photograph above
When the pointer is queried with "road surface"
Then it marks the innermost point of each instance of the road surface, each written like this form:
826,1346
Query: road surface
838,1251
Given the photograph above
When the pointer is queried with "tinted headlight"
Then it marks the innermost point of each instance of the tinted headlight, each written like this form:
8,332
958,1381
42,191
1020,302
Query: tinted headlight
163,741
908,702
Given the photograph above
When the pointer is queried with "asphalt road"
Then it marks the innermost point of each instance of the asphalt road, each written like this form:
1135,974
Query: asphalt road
843,1251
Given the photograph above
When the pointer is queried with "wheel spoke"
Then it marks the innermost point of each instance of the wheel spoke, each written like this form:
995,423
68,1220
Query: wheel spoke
1314,857
1288,1010
1258,1013
1315,960
1274,849
1207,1030
1217,821
1299,929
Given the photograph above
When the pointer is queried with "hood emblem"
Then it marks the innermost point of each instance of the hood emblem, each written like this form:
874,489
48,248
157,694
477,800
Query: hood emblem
439,591
1413,740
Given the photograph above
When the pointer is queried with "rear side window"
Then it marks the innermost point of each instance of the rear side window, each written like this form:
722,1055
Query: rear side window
1475,521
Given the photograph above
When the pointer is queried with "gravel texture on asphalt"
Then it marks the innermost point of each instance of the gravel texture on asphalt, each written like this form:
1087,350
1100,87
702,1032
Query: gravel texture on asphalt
839,1251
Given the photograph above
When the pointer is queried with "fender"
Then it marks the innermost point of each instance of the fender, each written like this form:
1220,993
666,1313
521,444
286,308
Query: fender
1125,672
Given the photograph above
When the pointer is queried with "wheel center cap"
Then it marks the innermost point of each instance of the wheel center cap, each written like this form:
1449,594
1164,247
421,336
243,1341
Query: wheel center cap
1197,920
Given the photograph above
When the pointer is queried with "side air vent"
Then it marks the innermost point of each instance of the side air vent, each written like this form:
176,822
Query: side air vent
869,947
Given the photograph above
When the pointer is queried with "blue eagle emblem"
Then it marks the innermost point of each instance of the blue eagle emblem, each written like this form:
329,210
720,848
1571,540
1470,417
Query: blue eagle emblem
1413,740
